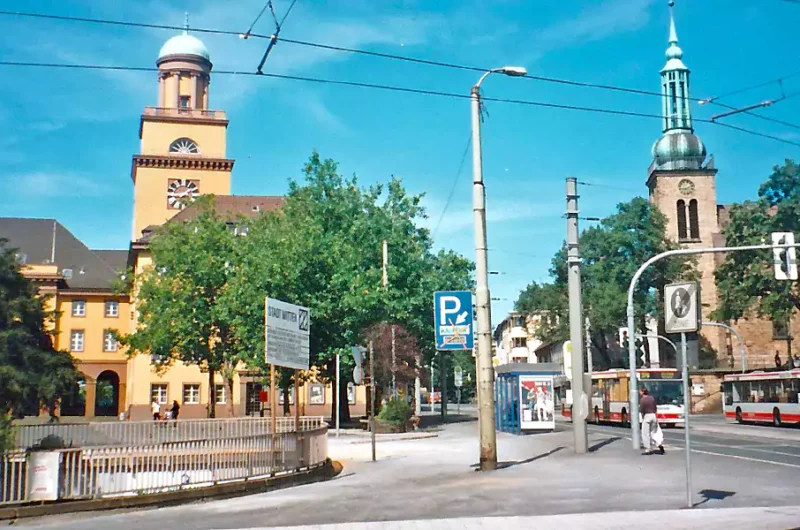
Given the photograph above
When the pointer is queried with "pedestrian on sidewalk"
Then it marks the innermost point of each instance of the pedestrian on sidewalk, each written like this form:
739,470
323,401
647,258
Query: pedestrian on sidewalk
175,410
651,437
155,408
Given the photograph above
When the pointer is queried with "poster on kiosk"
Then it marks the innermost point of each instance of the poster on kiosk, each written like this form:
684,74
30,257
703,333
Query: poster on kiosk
536,398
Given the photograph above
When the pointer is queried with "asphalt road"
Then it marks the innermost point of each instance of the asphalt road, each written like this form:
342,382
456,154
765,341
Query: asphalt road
754,443
539,475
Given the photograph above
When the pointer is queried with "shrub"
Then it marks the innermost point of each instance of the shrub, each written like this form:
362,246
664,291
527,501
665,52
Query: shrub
396,411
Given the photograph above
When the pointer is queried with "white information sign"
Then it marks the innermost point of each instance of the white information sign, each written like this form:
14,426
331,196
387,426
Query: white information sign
537,399
681,307
43,475
286,332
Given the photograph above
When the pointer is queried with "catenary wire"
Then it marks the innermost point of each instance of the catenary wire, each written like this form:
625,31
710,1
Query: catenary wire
453,188
409,90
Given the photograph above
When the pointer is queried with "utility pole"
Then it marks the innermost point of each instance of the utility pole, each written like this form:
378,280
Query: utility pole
589,367
372,397
337,398
579,411
386,286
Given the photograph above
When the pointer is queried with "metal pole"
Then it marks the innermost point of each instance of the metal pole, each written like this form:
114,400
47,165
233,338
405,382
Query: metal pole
394,366
372,397
665,339
738,337
418,387
488,436
579,411
297,400
636,439
687,405
443,385
338,394
273,398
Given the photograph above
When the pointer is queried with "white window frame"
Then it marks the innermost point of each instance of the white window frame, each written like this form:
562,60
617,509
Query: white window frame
221,394
109,342
112,304
194,393
73,342
79,308
163,392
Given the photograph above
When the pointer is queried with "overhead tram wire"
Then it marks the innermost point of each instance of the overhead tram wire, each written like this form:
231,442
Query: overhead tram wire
453,188
408,90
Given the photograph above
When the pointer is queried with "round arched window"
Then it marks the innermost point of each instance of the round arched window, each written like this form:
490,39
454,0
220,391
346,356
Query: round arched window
184,146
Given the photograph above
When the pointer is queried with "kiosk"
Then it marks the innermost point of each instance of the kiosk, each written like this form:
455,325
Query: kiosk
525,397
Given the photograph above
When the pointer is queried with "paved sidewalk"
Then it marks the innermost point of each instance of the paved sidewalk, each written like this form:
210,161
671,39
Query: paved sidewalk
728,519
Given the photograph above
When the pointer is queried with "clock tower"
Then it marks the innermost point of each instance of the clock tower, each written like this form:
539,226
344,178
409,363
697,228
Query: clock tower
182,150
682,181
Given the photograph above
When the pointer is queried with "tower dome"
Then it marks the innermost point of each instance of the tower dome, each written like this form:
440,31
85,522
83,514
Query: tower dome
184,44
679,150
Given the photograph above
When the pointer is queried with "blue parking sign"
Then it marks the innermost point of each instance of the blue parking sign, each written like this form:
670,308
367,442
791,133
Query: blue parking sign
452,313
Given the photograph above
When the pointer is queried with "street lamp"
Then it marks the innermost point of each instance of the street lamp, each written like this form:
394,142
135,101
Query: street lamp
485,376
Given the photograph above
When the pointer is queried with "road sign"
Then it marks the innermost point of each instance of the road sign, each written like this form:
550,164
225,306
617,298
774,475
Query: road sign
682,307
459,376
452,313
785,258
287,329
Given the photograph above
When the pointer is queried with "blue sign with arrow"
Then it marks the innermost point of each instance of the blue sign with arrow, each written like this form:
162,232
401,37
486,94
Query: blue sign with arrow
452,313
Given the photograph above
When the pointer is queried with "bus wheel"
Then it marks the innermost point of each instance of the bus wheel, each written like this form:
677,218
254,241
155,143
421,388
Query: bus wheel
739,415
624,418
776,417
597,416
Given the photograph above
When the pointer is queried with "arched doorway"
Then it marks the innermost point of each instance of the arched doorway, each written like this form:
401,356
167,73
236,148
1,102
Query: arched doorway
107,394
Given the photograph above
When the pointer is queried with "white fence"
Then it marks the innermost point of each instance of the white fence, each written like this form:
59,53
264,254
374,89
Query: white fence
127,433
94,472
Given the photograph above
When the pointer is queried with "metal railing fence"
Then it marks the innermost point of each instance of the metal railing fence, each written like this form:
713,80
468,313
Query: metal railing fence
95,472
156,432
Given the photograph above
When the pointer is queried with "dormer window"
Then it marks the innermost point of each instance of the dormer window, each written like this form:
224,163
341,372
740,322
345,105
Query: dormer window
184,146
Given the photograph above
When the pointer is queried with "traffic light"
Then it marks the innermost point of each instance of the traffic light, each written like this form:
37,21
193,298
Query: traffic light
785,259
640,353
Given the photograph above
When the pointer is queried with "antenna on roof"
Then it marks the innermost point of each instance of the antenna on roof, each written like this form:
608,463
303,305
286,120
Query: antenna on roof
186,23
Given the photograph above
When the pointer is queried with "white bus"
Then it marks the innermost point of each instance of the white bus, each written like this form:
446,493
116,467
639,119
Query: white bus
610,389
769,397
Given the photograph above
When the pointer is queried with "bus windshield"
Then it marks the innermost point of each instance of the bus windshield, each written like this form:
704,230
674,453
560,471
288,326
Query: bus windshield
665,392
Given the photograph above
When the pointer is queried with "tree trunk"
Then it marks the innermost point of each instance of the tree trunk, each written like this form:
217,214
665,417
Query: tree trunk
230,396
342,403
286,405
212,401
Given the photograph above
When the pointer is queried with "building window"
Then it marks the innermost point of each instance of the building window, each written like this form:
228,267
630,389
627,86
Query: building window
219,393
184,146
185,102
112,308
780,329
79,308
191,394
67,273
159,393
682,220
109,341
76,341
518,342
694,226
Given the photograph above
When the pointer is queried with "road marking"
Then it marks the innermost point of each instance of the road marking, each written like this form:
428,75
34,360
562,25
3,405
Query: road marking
746,448
737,457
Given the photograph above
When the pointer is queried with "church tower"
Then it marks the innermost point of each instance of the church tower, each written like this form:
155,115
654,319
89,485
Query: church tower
682,182
182,152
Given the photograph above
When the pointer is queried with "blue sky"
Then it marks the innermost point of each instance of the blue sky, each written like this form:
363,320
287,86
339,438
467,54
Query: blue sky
68,136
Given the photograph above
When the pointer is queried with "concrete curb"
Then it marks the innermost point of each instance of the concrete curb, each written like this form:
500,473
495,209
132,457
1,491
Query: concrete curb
420,436
327,471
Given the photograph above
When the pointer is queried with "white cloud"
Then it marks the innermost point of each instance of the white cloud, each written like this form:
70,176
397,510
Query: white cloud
51,184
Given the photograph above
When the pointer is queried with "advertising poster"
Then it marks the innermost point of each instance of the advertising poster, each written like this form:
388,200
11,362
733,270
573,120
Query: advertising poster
317,394
538,402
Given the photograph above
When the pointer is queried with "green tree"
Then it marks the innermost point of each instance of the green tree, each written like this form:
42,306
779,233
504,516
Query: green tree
33,373
746,282
611,253
182,316
323,249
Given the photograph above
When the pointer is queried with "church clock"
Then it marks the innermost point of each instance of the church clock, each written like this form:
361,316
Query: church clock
181,192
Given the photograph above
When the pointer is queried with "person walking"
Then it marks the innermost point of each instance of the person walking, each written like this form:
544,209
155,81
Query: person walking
650,428
175,409
155,408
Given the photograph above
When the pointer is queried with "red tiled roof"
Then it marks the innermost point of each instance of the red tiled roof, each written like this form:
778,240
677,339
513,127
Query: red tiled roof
233,206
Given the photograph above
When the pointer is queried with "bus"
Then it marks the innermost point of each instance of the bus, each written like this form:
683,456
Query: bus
610,393
768,397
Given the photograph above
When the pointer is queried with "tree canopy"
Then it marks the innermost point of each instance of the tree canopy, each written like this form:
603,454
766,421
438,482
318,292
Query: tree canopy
611,253
745,280
33,373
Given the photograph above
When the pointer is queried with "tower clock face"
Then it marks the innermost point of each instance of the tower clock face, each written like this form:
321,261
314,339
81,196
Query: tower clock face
686,187
180,193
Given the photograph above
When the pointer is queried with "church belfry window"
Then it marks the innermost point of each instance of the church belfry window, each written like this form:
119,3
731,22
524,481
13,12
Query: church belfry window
682,220
184,146
694,228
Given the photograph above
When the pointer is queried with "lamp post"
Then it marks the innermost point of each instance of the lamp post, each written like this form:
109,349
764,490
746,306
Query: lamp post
488,437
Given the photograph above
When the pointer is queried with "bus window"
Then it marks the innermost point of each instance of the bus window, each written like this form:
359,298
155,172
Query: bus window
738,392
727,389
792,387
597,388
665,392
